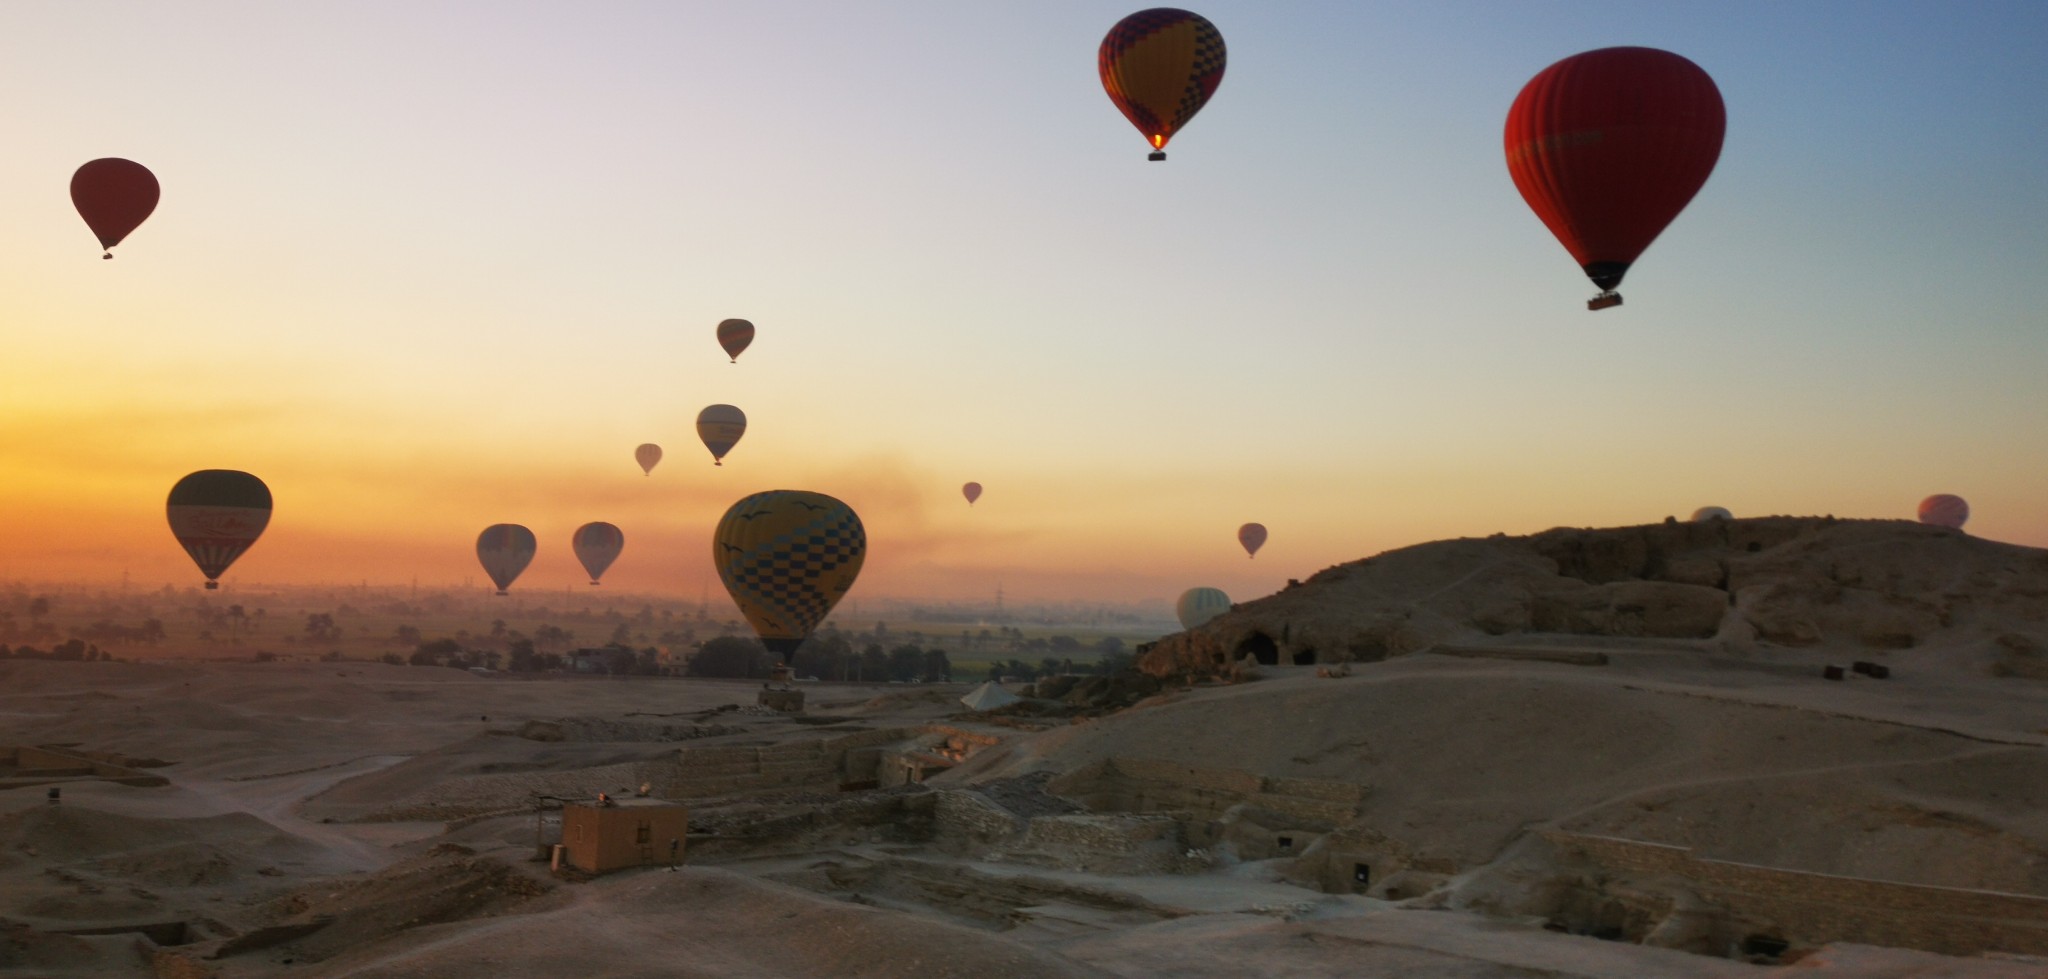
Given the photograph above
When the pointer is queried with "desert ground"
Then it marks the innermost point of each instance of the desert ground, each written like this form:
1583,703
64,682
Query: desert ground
1497,760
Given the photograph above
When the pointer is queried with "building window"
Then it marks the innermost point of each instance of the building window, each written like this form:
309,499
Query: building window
645,835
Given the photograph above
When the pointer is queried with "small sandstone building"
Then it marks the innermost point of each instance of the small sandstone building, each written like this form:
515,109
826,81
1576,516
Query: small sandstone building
613,834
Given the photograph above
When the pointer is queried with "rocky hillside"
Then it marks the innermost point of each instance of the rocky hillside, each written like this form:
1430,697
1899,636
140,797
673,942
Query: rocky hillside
1738,586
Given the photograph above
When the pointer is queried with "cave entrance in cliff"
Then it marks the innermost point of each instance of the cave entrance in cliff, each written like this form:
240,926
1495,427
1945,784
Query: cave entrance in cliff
1306,657
1259,646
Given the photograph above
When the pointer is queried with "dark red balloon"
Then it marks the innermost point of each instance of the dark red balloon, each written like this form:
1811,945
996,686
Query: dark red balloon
113,196
1608,146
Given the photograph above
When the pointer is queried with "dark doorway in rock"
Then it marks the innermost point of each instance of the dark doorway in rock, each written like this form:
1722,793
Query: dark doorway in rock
1306,657
1361,874
1764,946
1260,647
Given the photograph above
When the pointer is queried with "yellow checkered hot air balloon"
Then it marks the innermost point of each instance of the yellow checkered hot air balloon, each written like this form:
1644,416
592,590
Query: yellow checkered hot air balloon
1159,66
787,557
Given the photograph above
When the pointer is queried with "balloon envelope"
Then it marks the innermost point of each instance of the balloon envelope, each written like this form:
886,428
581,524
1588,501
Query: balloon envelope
1609,145
597,545
505,550
1945,510
1706,513
972,491
734,335
1160,66
1252,536
216,514
113,196
1199,605
720,426
647,455
787,557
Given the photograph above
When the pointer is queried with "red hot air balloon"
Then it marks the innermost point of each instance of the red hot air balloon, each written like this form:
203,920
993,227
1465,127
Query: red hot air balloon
216,514
1944,510
1253,537
1160,66
734,335
113,196
597,545
972,491
1608,146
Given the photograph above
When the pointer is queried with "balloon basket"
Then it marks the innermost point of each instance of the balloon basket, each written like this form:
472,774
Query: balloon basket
213,586
1604,300
1155,156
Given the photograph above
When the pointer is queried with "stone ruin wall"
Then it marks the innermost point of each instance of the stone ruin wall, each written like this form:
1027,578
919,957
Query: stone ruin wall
1814,908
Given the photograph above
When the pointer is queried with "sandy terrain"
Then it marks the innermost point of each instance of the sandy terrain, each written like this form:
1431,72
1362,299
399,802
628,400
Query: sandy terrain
370,820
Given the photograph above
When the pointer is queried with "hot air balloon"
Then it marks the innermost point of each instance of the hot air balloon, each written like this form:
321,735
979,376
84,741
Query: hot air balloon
734,335
597,544
647,455
1944,510
1199,605
720,426
788,556
1252,536
113,196
972,491
505,550
1159,66
1706,513
1608,146
216,514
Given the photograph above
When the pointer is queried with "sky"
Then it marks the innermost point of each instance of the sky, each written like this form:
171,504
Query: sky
425,266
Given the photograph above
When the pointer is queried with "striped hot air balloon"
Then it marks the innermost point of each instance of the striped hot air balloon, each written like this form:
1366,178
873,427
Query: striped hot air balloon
505,549
216,514
734,335
720,426
597,544
1199,605
1160,66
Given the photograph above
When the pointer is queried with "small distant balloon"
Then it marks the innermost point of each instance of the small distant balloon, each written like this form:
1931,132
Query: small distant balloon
216,514
597,544
647,455
720,426
972,491
114,196
505,550
787,557
1944,510
734,335
1160,66
1199,605
1706,513
1253,537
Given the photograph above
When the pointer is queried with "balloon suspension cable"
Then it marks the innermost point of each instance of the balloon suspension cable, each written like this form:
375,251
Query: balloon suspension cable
1604,300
